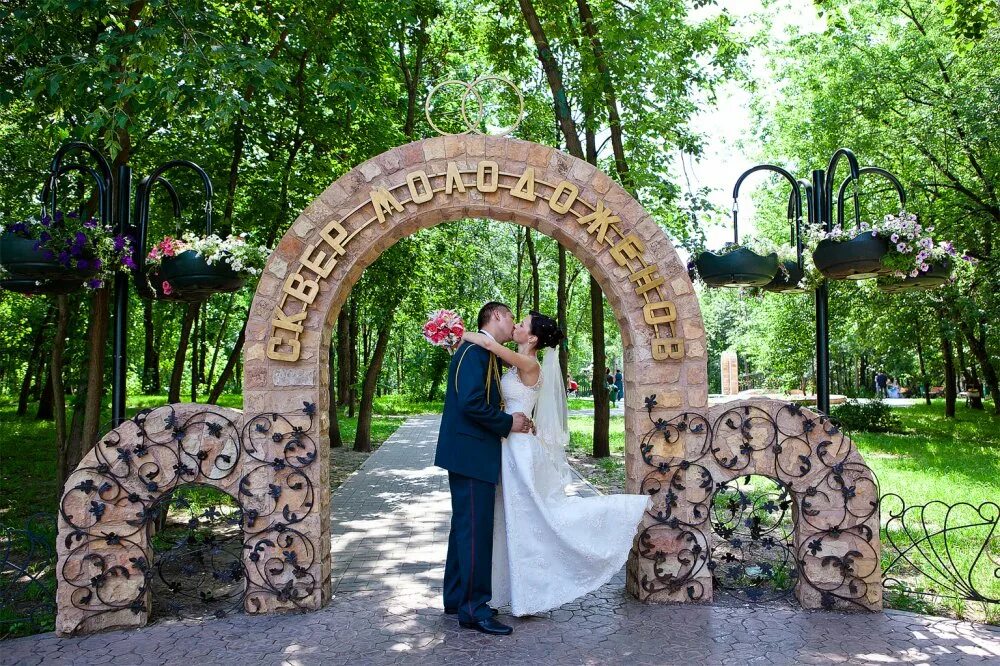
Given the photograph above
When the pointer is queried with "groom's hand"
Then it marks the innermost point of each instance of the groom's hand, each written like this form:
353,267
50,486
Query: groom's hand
521,424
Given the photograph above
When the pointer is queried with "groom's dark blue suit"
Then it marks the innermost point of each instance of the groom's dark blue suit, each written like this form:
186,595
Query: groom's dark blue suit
468,447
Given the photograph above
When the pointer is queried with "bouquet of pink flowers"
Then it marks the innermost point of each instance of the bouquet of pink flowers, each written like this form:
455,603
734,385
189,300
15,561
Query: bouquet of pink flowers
444,329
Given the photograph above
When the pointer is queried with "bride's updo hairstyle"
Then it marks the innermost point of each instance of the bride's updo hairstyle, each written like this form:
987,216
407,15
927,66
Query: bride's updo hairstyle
546,330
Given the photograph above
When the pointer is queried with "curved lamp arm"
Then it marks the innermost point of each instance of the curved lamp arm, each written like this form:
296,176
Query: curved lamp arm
105,170
831,173
794,203
898,186
142,198
49,190
795,216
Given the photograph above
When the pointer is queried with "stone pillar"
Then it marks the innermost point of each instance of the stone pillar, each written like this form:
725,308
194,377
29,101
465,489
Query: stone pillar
730,367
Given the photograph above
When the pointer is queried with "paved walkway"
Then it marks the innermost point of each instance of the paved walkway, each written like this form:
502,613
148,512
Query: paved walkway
390,531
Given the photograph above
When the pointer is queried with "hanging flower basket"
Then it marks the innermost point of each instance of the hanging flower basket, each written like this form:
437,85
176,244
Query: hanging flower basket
32,286
194,268
59,254
189,277
856,259
936,275
25,259
739,267
788,279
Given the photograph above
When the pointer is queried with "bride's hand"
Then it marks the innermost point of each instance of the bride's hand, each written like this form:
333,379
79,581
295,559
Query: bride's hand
475,338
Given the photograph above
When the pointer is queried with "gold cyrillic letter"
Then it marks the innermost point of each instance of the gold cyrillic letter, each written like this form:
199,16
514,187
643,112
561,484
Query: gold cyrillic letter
567,188
383,202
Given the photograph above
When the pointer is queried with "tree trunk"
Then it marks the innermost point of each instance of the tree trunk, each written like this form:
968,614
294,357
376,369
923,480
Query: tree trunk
227,372
336,440
440,365
343,358
59,392
602,416
45,411
34,361
195,350
554,77
977,345
533,259
519,299
352,354
923,370
177,374
950,392
561,307
239,138
363,436
151,354
218,344
82,439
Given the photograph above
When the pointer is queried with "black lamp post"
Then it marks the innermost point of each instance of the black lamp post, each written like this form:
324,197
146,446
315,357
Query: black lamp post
819,197
115,194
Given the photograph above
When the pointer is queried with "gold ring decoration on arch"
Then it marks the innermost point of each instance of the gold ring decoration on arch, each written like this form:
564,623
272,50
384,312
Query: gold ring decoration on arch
472,124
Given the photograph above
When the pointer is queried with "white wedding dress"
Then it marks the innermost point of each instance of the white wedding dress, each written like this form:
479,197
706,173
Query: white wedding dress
550,548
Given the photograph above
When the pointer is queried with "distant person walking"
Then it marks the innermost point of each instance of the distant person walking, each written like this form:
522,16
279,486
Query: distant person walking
881,381
609,384
619,384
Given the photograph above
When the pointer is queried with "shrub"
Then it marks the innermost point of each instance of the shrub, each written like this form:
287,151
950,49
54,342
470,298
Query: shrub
871,416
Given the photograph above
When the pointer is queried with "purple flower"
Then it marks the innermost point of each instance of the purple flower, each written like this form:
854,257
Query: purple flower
129,262
119,242
96,264
46,220
44,237
63,258
91,223
19,228
95,284
948,247
925,267
82,264
58,216
73,215
80,239
900,247
48,255
927,243
914,273
894,238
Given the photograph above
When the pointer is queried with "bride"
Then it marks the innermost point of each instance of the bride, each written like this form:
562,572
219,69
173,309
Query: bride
548,548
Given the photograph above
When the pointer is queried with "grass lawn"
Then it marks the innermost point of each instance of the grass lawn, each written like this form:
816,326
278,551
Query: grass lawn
935,458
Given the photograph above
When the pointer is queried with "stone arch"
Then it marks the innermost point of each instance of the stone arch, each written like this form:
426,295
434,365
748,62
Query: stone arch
279,464
419,185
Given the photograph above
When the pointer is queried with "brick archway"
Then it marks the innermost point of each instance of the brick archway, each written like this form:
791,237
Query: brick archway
280,468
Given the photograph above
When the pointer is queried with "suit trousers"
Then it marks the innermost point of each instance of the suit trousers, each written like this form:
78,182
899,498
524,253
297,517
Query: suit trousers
468,571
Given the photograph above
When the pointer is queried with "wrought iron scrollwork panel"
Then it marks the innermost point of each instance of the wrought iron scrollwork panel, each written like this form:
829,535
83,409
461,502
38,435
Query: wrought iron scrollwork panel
27,587
110,505
832,556
942,550
753,557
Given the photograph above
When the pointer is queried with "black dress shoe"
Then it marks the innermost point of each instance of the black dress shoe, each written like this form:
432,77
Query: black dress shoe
454,611
489,626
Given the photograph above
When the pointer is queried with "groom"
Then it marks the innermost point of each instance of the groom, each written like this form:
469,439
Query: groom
468,447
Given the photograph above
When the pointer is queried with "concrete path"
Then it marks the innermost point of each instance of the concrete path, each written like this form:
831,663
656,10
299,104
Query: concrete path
389,537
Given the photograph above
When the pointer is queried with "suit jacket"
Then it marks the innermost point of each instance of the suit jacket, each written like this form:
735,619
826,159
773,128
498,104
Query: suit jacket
473,422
